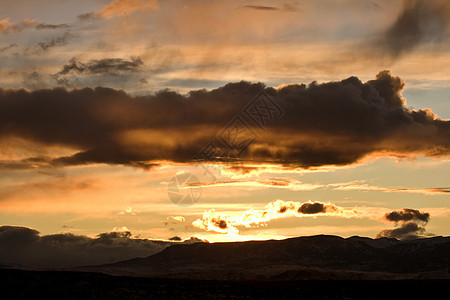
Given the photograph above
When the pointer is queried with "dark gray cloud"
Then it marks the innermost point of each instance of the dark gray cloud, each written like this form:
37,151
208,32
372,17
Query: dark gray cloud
87,16
49,43
418,23
407,214
45,26
410,224
334,123
119,69
102,66
24,246
284,7
260,7
312,208
408,230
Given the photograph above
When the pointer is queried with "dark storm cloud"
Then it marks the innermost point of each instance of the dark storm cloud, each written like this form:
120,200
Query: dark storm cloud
334,123
419,22
24,246
409,223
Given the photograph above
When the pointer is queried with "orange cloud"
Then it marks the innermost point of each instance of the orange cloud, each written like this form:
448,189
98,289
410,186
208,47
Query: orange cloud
287,183
120,8
6,26
359,185
218,222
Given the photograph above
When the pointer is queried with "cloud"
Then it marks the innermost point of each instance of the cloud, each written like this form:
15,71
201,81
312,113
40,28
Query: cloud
171,220
313,208
45,26
334,123
408,230
409,223
53,42
359,185
6,48
74,71
16,236
7,27
221,223
260,7
408,214
102,66
120,8
283,182
418,23
285,7
129,211
24,246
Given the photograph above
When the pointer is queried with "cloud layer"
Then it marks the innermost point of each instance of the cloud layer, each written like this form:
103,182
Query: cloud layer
334,123
23,246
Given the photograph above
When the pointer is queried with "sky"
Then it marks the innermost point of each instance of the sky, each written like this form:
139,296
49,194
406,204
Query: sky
224,120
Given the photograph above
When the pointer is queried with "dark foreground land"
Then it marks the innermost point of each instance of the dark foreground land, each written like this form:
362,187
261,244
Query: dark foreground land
25,284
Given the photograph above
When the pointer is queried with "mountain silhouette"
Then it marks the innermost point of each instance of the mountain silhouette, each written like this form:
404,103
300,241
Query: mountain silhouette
313,257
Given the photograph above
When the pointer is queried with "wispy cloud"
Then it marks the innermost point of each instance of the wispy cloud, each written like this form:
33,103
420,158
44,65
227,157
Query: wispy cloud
7,27
360,185
284,183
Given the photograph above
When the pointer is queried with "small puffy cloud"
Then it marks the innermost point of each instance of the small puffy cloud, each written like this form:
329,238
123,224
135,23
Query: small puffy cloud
129,211
171,220
407,214
120,229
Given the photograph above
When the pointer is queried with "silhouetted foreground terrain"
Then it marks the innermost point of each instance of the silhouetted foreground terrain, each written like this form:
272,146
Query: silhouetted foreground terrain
297,268
21,284
313,257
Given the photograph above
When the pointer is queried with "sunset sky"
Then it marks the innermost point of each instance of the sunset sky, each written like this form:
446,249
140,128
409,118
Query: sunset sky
272,119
